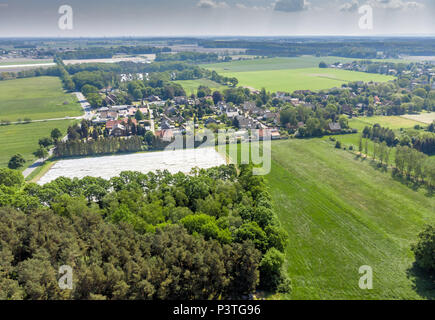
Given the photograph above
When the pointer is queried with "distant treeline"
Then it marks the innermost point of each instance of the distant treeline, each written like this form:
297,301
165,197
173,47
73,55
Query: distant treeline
189,56
107,53
364,49
109,145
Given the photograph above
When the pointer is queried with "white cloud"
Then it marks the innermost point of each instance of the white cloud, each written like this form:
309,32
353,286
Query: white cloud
210,4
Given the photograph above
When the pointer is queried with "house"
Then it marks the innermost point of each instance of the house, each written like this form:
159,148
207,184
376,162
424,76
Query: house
112,123
164,125
118,130
171,111
232,112
165,135
154,99
347,109
334,127
209,121
180,100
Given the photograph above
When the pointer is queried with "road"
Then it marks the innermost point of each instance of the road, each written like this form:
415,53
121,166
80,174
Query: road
87,116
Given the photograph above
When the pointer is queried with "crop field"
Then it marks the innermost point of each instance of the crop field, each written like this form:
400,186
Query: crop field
23,139
18,62
315,79
191,86
110,166
426,118
290,74
392,122
341,214
36,98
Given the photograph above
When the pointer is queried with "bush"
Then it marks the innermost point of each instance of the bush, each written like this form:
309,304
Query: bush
338,145
424,250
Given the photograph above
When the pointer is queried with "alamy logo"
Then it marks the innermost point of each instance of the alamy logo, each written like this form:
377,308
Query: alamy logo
245,147
66,20
366,281
366,20
66,280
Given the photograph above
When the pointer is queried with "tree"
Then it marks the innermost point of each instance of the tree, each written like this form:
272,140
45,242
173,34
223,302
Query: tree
323,65
56,134
17,161
338,145
217,97
271,269
11,178
45,142
149,138
236,123
139,115
424,249
41,153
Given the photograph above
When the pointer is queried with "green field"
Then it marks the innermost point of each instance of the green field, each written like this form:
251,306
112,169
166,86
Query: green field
36,98
341,214
23,138
26,62
191,86
315,79
392,122
290,74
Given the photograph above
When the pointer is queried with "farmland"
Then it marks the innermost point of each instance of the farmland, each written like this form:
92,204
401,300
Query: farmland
23,138
111,166
273,64
313,79
191,86
341,214
426,118
36,99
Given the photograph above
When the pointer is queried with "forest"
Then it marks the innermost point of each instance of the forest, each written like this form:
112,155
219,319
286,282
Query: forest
209,235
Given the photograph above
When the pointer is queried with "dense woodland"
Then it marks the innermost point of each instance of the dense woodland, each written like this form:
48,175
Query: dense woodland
209,235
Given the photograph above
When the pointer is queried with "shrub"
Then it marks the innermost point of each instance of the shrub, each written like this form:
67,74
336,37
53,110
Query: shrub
424,249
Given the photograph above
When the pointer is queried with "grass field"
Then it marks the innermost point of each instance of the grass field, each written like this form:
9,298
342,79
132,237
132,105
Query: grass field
23,138
191,86
315,79
36,98
392,122
341,214
290,74
24,62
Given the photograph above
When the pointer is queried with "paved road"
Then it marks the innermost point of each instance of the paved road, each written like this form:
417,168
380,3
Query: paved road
88,116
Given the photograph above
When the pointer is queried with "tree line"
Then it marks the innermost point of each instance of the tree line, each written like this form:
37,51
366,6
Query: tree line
99,146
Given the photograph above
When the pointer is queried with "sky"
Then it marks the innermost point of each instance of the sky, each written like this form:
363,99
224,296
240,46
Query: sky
174,18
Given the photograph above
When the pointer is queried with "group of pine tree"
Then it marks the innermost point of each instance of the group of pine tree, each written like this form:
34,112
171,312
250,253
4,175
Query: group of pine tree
209,235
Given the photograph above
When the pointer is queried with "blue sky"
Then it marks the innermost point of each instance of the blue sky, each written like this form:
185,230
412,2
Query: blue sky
215,17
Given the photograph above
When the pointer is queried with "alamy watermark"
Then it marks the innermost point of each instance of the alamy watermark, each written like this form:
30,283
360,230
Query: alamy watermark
366,281
366,20
243,147
66,280
66,19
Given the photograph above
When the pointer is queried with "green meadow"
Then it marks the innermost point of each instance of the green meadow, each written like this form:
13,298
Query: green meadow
315,79
290,74
23,138
342,213
36,98
191,86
